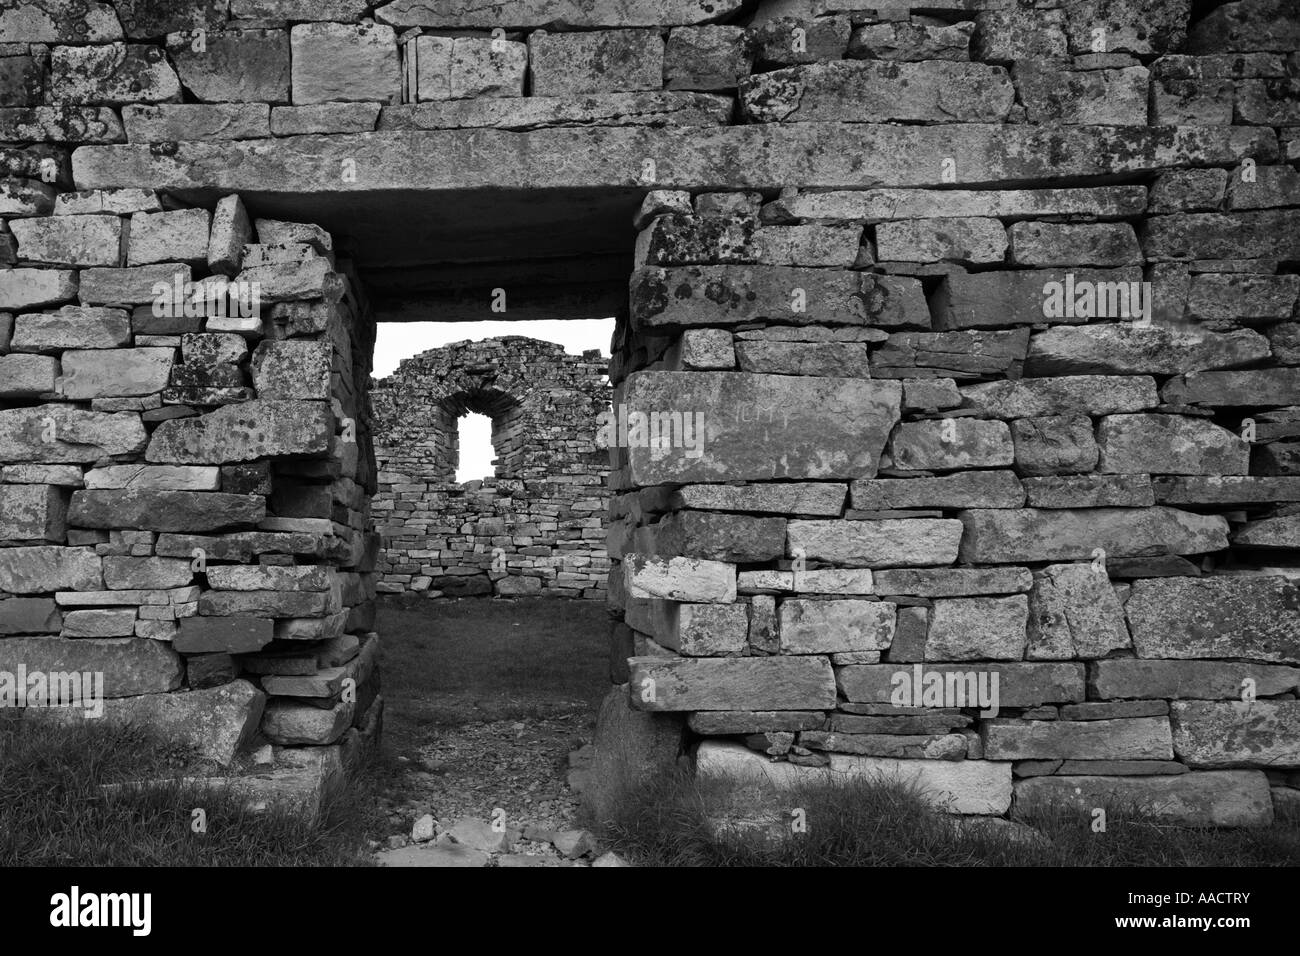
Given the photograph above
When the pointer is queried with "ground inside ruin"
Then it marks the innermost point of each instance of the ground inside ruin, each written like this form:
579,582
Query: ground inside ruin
490,704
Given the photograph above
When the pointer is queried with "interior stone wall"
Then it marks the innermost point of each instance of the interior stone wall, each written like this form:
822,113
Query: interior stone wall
916,452
537,525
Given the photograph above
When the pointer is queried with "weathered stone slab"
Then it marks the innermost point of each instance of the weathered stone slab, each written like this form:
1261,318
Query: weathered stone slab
272,577
826,428
1086,97
29,616
129,667
935,445
1127,349
599,61
806,498
1068,244
69,240
245,432
150,509
1087,394
123,572
61,433
833,359
1106,710
1169,444
830,155
910,41
875,91
43,568
881,205
1032,534
741,683
700,630
977,628
25,288
325,118
876,544
269,603
1268,386
159,477
1073,612
1197,680
1136,738
97,373
959,355
720,537
952,582
726,295
640,108
1019,685
1209,235
990,299
1281,532
830,627
353,62
112,74
1090,491
967,240
32,512
904,746
834,581
1241,297
55,21
1216,798
293,370
1053,444
1237,616
680,579
235,66
136,285
970,489
71,327
169,123
1264,733
230,635
99,623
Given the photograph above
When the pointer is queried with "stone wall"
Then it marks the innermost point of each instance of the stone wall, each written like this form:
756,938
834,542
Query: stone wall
184,494
537,525
878,265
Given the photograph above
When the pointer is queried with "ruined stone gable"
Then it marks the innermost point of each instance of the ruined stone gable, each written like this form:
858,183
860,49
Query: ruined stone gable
536,526
955,342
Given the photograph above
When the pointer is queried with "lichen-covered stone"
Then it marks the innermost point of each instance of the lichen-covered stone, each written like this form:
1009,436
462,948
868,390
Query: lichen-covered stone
1251,616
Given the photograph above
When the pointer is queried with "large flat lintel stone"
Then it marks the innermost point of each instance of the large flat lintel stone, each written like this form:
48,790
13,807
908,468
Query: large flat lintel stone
815,155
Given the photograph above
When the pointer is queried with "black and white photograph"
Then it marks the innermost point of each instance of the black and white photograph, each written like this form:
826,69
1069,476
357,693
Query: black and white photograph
652,434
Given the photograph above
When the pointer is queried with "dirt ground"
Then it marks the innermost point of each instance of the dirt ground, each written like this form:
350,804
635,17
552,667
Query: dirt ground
485,699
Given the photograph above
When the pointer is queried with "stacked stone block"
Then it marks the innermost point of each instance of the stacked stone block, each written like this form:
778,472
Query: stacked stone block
537,526
185,473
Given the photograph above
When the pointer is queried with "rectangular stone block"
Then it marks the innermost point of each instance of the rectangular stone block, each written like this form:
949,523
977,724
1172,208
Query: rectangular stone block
727,295
138,285
957,355
994,536
1086,394
150,509
1137,738
1214,735
970,489
953,582
72,327
42,569
123,572
69,240
876,91
1217,798
804,498
954,786
354,62
741,683
245,432
824,428
129,667
63,433
680,579
27,376
272,577
1197,680
231,635
99,622
1089,491
876,544
700,630
831,627
1019,685
99,373
33,513
977,628
29,616
600,61
159,477
1236,616
268,603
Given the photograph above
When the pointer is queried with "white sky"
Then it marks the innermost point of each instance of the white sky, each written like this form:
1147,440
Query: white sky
401,340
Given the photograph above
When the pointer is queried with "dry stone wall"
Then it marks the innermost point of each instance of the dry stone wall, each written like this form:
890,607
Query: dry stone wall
535,527
973,326
185,472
